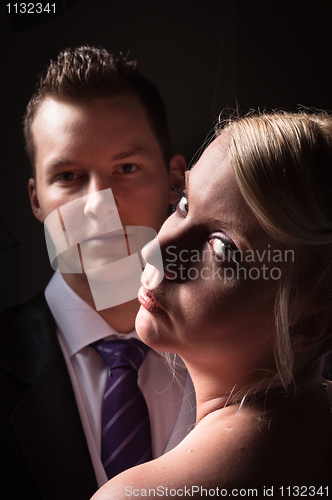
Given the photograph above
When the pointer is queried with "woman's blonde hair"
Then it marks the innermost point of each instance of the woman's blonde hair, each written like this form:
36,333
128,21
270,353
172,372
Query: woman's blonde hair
283,166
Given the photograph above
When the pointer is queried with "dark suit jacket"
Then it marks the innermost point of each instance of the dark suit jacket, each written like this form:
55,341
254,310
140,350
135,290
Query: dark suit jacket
43,450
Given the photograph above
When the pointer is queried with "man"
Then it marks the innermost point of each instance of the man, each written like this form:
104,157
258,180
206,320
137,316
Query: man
97,138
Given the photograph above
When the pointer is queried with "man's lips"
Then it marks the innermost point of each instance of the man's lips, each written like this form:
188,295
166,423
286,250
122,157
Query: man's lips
148,301
105,238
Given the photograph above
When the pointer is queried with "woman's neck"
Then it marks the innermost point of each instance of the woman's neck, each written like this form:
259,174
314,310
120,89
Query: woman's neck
216,390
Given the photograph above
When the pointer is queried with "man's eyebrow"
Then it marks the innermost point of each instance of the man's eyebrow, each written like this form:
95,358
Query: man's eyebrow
53,165
136,149
131,152
60,163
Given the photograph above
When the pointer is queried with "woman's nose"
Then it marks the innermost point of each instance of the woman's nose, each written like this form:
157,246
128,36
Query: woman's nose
173,243
153,272
151,253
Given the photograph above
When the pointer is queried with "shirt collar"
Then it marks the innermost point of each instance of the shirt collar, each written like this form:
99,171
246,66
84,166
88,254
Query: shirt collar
78,324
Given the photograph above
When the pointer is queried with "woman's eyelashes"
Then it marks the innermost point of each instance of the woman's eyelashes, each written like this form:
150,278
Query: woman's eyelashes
182,206
224,250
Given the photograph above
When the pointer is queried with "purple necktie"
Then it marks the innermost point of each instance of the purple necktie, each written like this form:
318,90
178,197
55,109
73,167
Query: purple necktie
126,434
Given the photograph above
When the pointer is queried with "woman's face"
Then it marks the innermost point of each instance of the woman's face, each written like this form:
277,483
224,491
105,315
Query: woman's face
213,300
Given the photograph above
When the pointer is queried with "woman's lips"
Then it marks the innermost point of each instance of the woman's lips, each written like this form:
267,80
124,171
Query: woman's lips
148,301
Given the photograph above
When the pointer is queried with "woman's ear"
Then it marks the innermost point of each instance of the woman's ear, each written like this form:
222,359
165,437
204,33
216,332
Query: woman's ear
314,326
177,166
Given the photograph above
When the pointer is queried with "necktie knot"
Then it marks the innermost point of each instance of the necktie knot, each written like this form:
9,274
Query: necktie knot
122,354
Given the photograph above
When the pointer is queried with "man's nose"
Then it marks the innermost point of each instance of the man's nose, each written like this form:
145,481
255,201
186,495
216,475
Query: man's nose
100,204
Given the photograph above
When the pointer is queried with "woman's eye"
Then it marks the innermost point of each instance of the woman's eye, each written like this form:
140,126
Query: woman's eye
128,168
224,250
183,205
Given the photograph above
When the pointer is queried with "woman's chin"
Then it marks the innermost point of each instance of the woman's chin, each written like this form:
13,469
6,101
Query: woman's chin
143,325
150,331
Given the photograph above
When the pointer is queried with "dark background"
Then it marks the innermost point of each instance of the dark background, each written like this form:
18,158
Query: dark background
205,56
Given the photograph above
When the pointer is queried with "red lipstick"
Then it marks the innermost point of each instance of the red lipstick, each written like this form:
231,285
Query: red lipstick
148,301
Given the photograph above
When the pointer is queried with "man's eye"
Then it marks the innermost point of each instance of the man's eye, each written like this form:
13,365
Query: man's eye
67,176
128,168
183,205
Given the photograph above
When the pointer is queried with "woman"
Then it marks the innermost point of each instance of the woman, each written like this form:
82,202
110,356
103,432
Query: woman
246,301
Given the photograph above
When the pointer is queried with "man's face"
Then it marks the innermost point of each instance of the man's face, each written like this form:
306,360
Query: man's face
83,148
102,188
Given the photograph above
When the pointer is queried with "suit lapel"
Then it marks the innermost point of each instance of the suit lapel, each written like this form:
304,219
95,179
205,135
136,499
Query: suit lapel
47,421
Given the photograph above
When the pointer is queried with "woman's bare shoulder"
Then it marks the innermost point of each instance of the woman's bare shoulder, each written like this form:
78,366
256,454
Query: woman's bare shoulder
230,450
204,459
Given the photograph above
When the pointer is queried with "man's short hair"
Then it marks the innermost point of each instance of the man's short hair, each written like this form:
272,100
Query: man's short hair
86,73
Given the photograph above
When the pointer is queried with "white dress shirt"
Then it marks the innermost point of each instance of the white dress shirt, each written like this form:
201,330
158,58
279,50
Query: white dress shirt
170,398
